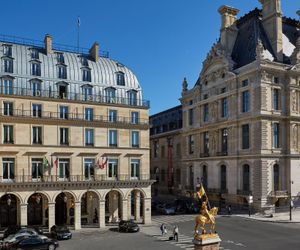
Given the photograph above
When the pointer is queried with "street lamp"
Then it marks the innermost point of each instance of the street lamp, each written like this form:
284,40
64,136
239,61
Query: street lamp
290,199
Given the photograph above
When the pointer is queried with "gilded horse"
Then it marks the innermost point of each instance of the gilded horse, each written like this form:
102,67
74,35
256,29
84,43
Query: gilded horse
207,217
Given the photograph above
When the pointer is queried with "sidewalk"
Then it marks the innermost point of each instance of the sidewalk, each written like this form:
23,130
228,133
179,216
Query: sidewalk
283,217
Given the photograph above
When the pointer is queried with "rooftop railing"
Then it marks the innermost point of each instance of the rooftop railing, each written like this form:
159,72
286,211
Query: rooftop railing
55,46
37,114
135,102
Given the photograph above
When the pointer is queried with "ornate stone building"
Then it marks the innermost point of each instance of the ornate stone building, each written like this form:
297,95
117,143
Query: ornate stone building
241,118
74,137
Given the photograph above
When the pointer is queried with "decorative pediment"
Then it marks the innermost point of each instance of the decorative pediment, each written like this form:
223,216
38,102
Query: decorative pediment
217,64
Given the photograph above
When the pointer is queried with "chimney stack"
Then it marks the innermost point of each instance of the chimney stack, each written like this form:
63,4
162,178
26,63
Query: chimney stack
228,26
48,44
272,22
94,51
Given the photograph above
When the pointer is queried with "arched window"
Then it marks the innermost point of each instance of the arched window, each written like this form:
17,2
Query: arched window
120,78
132,97
246,177
110,95
204,176
223,178
276,177
191,176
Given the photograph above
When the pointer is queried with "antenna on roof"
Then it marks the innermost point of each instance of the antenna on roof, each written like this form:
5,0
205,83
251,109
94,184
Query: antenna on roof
78,29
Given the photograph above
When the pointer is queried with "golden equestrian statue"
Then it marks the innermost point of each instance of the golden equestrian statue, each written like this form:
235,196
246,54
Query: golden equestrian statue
206,216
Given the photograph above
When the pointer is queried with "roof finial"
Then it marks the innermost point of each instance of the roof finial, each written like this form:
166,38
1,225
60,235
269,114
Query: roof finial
184,85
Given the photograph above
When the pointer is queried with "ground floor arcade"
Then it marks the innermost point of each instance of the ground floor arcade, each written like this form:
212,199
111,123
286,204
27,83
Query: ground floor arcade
76,208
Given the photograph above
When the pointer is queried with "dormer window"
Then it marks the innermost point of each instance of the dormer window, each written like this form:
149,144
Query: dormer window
60,58
84,61
132,97
36,88
34,54
86,75
120,78
62,72
35,69
8,65
7,50
87,92
110,95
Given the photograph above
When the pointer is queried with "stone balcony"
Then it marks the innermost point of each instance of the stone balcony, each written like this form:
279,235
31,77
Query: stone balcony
21,183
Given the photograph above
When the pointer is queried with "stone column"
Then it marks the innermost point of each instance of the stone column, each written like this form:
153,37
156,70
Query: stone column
129,206
77,215
113,207
51,214
137,205
23,214
147,211
124,209
101,213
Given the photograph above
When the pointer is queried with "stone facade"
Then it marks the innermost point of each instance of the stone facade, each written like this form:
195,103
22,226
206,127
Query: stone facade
74,146
245,109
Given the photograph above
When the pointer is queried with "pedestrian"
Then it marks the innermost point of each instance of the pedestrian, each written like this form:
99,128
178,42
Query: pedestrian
165,229
175,233
162,229
229,209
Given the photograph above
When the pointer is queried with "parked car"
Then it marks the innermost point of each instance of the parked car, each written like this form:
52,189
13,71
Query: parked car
35,242
23,232
60,232
11,230
167,209
128,226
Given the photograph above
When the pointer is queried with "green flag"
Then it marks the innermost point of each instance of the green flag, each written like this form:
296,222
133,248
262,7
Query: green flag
45,163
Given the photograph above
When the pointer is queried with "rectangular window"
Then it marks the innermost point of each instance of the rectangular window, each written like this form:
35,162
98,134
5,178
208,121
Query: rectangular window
7,87
8,108
60,58
205,112
36,69
64,136
36,169
135,168
245,101
64,169
63,112
89,114
112,115
245,83
191,117
276,79
276,99
62,72
205,143
224,107
87,93
7,50
135,139
89,168
8,134
245,136
120,79
89,137
34,54
224,140
37,135
134,117
36,88
191,144
37,110
8,65
155,148
276,133
8,168
162,151
112,168
86,75
113,138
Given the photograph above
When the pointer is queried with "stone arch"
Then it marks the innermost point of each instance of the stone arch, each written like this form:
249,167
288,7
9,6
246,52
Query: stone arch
114,189
138,189
90,208
64,191
99,196
114,205
21,200
10,204
65,207
41,192
37,208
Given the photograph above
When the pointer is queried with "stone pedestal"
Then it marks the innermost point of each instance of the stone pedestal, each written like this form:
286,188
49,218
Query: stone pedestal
207,242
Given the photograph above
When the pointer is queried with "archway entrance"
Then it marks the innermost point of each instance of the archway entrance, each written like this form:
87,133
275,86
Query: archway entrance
137,205
36,211
90,209
64,209
113,207
9,205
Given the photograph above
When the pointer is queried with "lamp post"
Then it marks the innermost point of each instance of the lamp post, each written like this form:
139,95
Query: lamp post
250,201
290,199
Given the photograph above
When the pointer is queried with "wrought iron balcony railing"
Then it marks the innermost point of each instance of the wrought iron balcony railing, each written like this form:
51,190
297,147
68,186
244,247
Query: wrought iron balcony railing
71,116
15,91
71,178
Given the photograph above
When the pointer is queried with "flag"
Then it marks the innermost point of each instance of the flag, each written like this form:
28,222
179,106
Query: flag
104,163
98,163
201,192
56,162
45,163
78,21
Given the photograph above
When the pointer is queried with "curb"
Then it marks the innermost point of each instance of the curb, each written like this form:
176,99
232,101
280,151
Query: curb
264,220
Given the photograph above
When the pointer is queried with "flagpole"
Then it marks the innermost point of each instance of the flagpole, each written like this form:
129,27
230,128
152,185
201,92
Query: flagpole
208,203
78,29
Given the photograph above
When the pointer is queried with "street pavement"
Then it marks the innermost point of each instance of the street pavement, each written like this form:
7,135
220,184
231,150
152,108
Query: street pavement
236,233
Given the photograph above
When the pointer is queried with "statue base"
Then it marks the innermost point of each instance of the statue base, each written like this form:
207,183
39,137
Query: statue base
207,242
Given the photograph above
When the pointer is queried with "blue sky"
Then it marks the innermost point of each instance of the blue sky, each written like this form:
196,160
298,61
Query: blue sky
162,41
